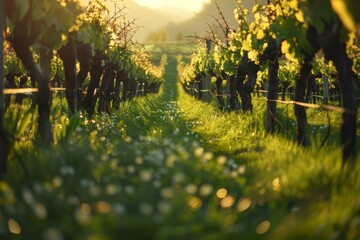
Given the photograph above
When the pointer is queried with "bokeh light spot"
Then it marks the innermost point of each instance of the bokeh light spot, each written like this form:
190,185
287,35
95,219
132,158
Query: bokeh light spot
194,202
244,204
221,193
14,226
227,202
103,207
263,227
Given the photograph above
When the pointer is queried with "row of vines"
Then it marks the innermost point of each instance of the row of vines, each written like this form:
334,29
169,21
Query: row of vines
88,50
295,46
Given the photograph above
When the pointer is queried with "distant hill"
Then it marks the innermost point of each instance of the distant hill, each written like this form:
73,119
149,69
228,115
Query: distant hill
199,24
150,20
178,22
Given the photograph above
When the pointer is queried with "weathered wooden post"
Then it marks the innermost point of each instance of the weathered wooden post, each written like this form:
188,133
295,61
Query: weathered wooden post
325,89
206,79
227,92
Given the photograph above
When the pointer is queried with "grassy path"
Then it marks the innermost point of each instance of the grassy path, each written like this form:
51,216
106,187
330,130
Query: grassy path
169,167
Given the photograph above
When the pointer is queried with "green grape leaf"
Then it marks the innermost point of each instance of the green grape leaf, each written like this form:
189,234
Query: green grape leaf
22,8
317,12
61,18
40,9
347,10
52,38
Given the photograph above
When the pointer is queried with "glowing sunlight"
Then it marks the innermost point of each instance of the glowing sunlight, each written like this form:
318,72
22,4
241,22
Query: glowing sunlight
189,5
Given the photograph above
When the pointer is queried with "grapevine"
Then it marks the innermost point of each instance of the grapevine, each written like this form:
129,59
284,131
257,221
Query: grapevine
51,36
283,35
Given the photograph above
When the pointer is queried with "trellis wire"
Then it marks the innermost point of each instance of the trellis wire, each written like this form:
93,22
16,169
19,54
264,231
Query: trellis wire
303,104
14,91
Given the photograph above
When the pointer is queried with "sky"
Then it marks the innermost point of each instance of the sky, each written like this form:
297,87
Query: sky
189,5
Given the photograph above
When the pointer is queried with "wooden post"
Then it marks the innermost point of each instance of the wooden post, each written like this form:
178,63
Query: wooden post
227,92
326,87
3,136
206,79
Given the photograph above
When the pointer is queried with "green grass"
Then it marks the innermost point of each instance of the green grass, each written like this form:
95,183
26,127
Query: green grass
172,49
156,169
304,190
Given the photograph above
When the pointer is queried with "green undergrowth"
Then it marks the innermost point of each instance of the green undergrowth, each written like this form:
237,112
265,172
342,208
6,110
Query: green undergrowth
167,166
307,192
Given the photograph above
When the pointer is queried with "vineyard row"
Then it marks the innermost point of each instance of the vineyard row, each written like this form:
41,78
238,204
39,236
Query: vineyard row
304,47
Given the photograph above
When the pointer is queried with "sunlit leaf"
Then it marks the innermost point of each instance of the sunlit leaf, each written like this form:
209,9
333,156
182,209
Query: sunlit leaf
346,12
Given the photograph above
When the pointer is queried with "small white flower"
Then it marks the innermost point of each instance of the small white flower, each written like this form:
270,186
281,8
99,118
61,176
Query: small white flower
129,189
146,209
206,189
191,188
146,175
40,211
28,197
164,207
52,234
221,160
119,209
167,192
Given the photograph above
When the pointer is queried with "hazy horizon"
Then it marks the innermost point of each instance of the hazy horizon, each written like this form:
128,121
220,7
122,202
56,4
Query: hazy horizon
172,16
192,6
